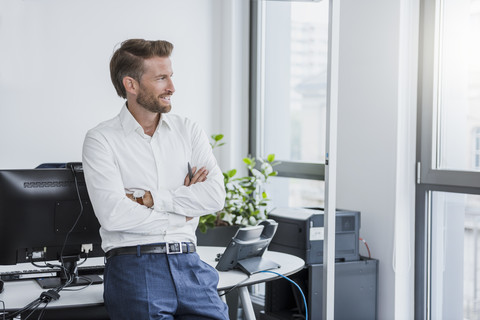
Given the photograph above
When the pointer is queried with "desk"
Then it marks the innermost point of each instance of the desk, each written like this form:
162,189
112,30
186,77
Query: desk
228,279
17,294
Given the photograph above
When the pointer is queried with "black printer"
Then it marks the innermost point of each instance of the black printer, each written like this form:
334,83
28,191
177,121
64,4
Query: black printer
301,232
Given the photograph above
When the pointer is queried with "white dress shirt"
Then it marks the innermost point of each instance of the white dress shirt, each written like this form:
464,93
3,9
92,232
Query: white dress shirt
119,158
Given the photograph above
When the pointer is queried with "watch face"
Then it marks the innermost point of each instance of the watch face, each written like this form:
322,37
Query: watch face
138,193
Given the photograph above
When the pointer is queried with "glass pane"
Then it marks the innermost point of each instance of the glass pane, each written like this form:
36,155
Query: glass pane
290,192
295,75
459,86
455,276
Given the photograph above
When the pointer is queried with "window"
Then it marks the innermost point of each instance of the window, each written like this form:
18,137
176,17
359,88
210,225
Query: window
448,189
458,68
289,78
292,192
455,256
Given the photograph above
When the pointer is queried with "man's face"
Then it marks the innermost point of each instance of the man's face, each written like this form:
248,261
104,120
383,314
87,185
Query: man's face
156,86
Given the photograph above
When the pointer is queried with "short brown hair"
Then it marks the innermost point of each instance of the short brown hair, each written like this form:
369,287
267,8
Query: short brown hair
128,60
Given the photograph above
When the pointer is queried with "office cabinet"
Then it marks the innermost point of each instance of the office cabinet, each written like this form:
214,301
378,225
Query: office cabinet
355,292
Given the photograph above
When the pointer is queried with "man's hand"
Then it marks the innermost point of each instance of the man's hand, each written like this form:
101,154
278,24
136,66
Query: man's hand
147,199
198,176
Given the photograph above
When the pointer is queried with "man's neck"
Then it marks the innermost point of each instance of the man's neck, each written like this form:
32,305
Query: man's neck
148,120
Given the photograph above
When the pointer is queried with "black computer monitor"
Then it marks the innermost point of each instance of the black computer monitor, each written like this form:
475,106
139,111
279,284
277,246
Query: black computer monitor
38,209
245,250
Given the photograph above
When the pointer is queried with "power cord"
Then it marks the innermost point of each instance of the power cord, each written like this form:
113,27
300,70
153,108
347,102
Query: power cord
234,287
366,245
287,278
72,168
45,298
90,282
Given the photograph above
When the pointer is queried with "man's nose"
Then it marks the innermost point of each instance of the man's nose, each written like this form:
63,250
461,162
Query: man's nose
170,87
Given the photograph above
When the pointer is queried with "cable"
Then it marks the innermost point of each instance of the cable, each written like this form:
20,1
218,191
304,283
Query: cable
234,287
84,260
72,168
43,311
366,245
31,306
47,264
287,278
70,277
90,282
33,310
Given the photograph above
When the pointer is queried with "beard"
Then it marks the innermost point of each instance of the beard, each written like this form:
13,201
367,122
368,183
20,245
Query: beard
152,103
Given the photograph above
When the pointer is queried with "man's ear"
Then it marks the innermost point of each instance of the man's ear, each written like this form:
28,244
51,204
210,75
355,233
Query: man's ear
130,84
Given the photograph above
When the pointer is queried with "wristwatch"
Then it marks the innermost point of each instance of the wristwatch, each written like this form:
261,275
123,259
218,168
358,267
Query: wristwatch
138,196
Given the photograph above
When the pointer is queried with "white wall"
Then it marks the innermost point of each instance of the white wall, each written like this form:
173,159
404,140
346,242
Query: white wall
376,138
54,75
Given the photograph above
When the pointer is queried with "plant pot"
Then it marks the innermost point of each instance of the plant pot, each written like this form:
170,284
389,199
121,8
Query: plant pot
216,237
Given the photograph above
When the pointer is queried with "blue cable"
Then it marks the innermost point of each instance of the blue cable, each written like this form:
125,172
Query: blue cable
303,296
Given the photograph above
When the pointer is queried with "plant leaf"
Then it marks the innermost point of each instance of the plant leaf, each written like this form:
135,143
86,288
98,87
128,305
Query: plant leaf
247,161
231,173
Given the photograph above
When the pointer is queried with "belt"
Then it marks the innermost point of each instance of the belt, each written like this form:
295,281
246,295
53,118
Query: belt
168,248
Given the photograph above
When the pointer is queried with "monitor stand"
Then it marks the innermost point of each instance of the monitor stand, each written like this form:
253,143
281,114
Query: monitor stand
256,264
55,282
70,264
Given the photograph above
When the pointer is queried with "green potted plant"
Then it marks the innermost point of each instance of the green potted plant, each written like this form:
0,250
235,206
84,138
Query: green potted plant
246,198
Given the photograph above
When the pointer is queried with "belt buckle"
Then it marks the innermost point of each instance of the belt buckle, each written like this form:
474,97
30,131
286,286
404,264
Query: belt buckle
176,245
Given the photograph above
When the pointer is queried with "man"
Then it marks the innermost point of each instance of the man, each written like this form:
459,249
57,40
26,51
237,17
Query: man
136,168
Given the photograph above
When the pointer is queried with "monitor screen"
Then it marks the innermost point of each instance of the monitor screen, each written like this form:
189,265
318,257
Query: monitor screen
38,208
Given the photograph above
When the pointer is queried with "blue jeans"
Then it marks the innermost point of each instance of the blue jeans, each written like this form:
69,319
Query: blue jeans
161,286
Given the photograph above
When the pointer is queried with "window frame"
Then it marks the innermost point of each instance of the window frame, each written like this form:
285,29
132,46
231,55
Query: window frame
288,169
429,178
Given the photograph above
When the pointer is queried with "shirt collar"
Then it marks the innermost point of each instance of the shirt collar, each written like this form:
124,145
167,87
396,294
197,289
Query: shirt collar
165,121
129,123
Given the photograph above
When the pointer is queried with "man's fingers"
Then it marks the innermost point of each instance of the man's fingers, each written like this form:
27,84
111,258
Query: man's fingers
199,175
187,182
203,176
